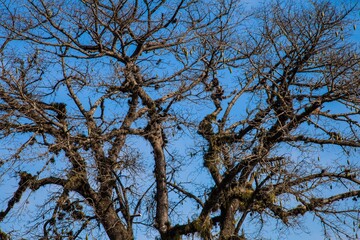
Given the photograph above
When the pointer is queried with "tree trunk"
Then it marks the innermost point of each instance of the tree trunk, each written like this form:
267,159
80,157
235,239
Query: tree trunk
162,207
111,222
228,220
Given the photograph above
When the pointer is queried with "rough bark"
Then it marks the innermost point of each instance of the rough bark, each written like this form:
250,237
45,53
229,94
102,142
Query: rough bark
155,137
109,219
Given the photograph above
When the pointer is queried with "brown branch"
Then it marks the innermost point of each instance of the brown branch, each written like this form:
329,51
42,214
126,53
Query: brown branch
305,139
28,181
186,193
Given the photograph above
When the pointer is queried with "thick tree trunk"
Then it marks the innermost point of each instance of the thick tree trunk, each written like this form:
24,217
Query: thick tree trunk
162,207
228,220
110,220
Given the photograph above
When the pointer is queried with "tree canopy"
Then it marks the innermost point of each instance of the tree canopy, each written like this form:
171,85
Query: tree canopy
178,119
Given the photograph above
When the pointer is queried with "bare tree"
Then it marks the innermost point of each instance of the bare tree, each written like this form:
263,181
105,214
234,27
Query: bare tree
97,96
